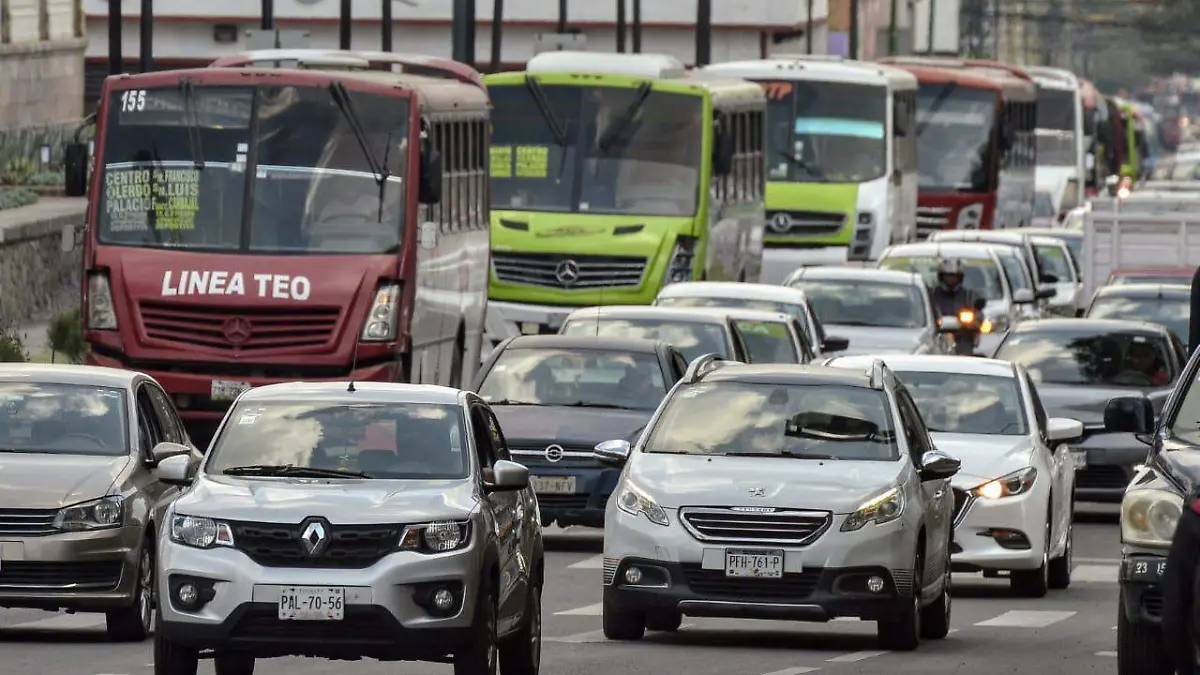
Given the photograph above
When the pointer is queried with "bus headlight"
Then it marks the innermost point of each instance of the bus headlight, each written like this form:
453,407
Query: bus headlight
682,262
1149,517
380,325
100,312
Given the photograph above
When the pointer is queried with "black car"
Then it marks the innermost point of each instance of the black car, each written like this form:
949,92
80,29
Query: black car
557,396
1167,305
1078,365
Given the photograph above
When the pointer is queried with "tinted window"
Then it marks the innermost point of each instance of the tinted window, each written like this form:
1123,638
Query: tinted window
1086,358
582,377
864,303
1018,275
63,419
811,422
955,137
390,440
798,311
1174,313
825,131
981,275
968,404
691,338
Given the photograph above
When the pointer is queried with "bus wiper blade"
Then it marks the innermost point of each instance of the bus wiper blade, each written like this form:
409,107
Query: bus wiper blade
618,126
808,166
341,97
937,104
191,116
290,470
543,106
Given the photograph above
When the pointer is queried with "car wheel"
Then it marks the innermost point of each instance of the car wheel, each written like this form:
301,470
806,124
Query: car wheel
521,654
233,664
935,617
481,655
1033,583
622,624
903,633
1060,568
171,659
1140,649
666,622
135,622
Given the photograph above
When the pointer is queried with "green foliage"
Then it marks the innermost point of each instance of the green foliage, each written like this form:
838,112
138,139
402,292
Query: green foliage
65,336
26,144
47,179
18,171
15,198
12,348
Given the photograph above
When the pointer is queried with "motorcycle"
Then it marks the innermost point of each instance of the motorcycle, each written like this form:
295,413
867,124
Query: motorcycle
963,329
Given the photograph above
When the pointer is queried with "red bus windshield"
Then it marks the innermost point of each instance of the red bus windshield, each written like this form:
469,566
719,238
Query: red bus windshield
267,169
956,138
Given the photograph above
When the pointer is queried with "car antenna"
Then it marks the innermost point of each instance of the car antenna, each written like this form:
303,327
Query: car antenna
353,365
598,310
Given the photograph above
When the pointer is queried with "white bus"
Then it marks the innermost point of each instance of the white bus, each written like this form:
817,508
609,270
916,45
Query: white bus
841,152
1061,143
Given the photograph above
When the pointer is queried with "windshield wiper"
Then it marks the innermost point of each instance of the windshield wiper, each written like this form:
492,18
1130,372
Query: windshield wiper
618,126
557,130
505,401
341,97
290,470
813,170
187,92
608,406
796,455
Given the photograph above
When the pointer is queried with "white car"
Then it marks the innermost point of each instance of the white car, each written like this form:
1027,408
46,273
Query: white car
1014,495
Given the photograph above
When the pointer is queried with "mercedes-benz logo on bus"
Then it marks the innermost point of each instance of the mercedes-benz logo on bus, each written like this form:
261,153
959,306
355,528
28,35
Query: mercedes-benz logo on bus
236,330
554,453
314,537
781,223
567,272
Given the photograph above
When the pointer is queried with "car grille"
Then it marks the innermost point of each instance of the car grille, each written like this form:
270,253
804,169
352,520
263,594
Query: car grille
714,583
1152,601
932,219
350,546
592,271
59,576
27,522
536,456
1102,477
562,501
359,625
205,326
806,222
784,527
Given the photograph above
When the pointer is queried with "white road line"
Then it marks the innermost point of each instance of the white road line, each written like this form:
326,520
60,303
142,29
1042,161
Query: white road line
62,622
794,671
590,610
588,636
1108,654
1098,561
595,562
1103,574
1022,618
854,657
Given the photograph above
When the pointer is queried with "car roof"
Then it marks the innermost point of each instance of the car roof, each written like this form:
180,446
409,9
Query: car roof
1145,291
786,373
50,373
1084,325
982,236
1153,271
339,393
927,363
734,289
692,314
744,314
589,342
1046,240
865,273
940,249
1056,232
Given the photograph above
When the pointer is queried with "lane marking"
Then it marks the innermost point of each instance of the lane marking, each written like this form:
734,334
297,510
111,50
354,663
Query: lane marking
595,562
1104,574
854,657
589,610
1108,654
588,636
794,671
78,621
1098,561
1025,618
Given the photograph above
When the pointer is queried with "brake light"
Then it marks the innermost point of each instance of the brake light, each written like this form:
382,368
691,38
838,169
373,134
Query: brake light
100,312
380,325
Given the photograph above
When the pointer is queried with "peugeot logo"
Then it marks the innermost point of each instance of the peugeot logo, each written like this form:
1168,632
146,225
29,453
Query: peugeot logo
757,492
554,453
314,537
236,330
781,223
567,272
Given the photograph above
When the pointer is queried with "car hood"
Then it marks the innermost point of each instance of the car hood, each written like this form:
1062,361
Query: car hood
877,340
1085,404
984,457
537,426
290,500
697,480
51,481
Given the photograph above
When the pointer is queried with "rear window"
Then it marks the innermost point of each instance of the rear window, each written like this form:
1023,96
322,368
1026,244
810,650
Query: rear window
1173,313
981,274
691,338
1087,358
768,341
587,378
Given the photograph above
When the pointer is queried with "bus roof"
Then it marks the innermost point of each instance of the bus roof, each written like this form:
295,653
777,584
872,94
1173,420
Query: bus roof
804,67
926,74
333,59
1060,75
1044,82
1015,82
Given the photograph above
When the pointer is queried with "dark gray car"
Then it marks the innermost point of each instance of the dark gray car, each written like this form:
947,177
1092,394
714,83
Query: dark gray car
1167,305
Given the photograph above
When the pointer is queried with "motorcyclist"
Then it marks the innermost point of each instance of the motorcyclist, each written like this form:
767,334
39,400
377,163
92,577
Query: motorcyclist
951,296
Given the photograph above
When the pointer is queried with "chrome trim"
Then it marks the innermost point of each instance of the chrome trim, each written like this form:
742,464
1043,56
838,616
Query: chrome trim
566,453
764,519
967,504
684,604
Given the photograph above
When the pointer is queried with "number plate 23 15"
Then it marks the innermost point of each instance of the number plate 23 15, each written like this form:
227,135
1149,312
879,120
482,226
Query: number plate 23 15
1147,570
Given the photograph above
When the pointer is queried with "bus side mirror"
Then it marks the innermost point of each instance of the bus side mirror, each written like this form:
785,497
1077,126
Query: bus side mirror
722,150
429,187
75,169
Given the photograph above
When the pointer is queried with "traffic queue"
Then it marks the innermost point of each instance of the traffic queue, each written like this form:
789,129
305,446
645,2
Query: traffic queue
783,329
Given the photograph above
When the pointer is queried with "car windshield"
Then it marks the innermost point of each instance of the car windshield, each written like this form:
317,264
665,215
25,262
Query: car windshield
767,341
955,138
1052,259
179,163
63,419
1174,313
1076,246
825,132
691,338
1085,357
981,275
614,154
959,403
864,303
777,420
380,440
575,377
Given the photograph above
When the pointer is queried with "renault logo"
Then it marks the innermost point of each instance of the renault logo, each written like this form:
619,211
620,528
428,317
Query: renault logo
567,272
554,453
781,223
314,536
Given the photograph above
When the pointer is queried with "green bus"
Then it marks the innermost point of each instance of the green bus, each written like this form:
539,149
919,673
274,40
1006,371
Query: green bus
613,175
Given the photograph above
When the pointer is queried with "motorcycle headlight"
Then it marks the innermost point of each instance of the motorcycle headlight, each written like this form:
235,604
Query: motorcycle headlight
438,537
636,503
879,510
97,514
199,532
1009,485
1149,517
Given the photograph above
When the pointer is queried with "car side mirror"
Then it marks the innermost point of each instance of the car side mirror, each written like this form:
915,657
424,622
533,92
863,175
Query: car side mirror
1130,414
937,465
69,238
429,188
1023,296
75,169
507,477
1063,430
174,470
166,450
613,453
835,344
1047,292
949,324
979,304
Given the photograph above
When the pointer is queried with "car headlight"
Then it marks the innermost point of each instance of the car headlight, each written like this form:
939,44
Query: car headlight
1149,517
438,537
636,503
879,510
200,532
97,514
1009,485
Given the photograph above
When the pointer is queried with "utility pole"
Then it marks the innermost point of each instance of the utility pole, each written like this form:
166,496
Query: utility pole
621,25
562,17
996,29
344,25
929,36
854,29
268,15
385,15
116,58
146,36
637,26
497,35
892,48
703,33
463,32
808,28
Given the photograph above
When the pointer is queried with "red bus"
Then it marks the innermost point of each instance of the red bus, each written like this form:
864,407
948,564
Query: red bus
251,226
332,59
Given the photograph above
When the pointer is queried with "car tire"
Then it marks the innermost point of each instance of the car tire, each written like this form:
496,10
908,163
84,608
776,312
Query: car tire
135,622
521,652
481,655
622,624
1033,583
1059,572
935,617
1140,649
903,633
171,659
233,664
664,622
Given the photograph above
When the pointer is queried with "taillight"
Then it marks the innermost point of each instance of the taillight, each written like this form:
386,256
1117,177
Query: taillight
100,312
380,325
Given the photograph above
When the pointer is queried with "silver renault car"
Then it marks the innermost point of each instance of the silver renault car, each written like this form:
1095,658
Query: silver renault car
352,520
781,492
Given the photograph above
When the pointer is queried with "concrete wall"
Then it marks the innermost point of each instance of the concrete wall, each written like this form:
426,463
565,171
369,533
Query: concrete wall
37,279
41,62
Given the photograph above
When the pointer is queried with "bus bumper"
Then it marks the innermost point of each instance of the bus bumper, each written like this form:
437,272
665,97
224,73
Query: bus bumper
778,263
